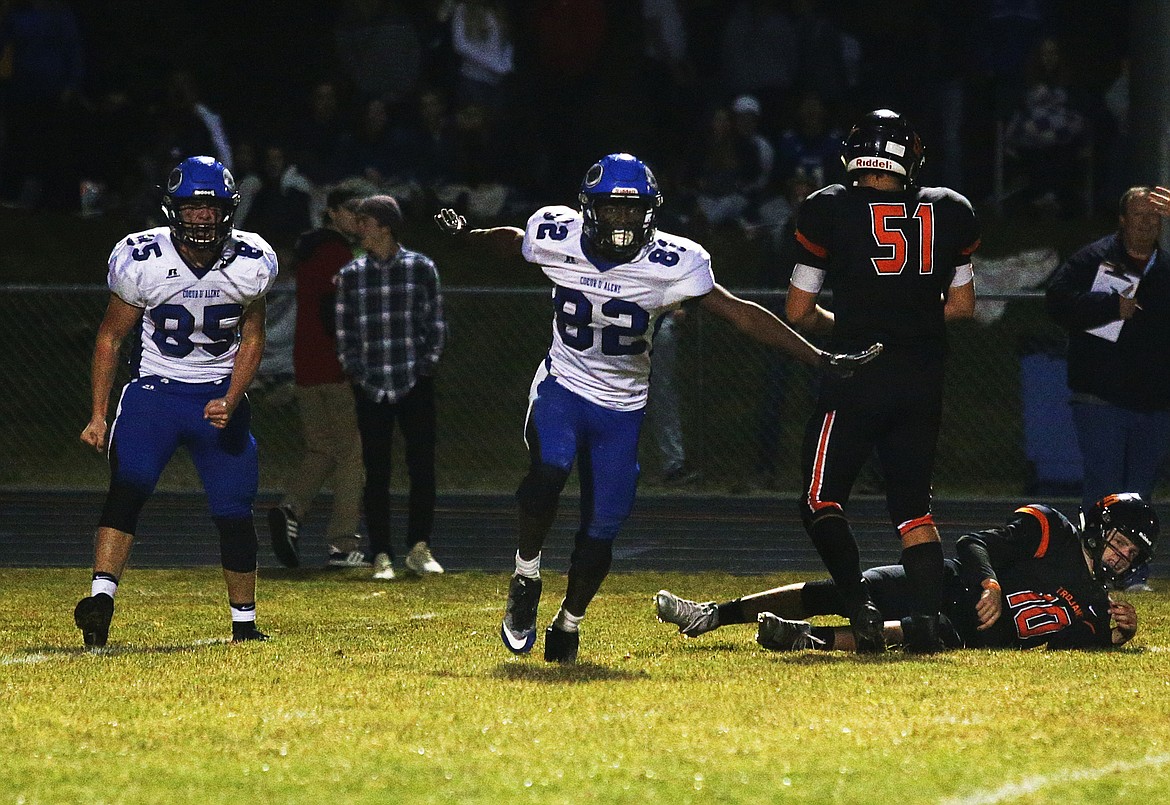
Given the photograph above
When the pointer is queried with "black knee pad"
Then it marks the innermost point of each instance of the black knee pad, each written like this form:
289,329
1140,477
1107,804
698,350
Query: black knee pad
540,489
124,503
237,543
592,557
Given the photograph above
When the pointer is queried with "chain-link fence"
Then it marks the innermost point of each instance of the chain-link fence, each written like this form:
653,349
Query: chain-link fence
742,408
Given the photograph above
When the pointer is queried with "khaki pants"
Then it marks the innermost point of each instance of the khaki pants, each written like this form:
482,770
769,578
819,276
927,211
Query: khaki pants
332,449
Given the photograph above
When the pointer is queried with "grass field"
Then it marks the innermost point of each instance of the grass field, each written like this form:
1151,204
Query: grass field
401,692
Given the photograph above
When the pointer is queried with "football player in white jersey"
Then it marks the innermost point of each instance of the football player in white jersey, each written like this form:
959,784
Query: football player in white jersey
194,292
614,278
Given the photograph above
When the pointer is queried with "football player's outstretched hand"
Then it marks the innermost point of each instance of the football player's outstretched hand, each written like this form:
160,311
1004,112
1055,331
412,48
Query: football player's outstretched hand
844,364
451,222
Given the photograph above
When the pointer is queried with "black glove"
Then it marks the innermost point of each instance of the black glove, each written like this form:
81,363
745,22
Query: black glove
844,364
450,222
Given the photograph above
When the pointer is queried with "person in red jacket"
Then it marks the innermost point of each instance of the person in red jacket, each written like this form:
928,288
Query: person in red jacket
328,423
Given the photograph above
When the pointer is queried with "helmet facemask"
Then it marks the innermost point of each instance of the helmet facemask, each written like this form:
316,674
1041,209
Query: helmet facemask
189,228
1119,533
196,185
619,201
617,227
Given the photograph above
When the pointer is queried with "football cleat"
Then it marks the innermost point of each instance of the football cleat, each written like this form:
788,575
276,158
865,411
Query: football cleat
778,634
867,625
560,646
284,527
518,630
246,630
421,562
920,635
92,616
691,617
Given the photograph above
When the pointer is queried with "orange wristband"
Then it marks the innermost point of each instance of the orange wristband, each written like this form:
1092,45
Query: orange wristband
992,584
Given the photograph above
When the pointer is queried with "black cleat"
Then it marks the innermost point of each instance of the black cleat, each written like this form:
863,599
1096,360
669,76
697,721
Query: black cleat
921,635
284,528
92,616
867,624
518,630
560,646
247,631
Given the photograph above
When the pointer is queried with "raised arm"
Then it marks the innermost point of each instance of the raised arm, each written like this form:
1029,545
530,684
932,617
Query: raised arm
504,241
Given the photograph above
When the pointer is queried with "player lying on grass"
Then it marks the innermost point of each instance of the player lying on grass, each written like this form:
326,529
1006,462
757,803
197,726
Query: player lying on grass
1037,580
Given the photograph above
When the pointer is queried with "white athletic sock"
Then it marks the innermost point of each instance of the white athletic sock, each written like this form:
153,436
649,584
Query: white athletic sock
243,613
103,583
528,567
567,621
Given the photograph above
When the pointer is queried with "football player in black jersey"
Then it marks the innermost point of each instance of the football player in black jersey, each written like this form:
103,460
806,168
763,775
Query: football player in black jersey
1038,580
898,260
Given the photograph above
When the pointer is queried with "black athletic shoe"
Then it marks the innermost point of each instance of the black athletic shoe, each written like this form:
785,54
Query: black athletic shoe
560,646
246,631
283,526
518,630
867,623
921,635
92,616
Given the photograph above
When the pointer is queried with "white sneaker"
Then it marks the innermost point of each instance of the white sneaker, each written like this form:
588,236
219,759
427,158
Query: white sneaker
340,558
420,561
383,569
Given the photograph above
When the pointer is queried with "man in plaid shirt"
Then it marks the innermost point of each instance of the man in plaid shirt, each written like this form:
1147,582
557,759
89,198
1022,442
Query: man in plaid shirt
390,335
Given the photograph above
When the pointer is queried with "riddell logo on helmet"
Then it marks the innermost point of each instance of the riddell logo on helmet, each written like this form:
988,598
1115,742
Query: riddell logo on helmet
624,191
875,163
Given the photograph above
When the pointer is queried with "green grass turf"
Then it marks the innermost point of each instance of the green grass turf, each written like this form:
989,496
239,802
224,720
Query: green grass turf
401,692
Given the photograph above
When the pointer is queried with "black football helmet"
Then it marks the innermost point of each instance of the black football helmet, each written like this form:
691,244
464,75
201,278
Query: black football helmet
1125,513
201,180
883,140
619,179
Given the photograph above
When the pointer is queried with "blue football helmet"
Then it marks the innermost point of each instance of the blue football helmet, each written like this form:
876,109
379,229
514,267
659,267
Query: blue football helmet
1121,515
620,180
201,180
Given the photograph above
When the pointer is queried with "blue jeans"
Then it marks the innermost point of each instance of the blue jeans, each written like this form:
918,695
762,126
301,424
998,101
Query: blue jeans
1122,451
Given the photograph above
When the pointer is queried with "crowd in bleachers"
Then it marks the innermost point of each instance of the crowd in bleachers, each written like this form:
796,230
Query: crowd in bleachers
496,106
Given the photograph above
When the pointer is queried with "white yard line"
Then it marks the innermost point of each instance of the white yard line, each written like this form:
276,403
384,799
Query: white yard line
1030,785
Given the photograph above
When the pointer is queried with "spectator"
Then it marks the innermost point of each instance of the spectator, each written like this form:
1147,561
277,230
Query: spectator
1039,569
379,49
1113,297
745,113
481,34
726,165
318,135
328,425
189,383
186,125
391,358
374,151
759,56
1047,132
478,177
42,104
810,147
